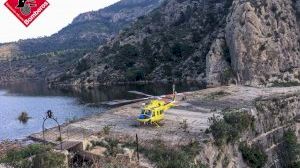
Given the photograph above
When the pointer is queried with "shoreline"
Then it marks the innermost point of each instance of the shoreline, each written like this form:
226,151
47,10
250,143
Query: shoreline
62,85
79,119
184,124
196,108
136,105
7,145
130,82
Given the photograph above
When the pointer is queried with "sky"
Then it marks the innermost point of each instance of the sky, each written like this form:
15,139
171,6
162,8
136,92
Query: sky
54,18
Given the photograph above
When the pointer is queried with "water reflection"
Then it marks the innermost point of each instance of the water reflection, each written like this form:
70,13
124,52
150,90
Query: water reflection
98,94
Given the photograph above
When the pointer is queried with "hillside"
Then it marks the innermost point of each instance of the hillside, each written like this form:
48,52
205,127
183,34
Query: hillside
86,32
214,41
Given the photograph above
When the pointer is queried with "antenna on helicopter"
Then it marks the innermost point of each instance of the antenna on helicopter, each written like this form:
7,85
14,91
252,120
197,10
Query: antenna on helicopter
174,92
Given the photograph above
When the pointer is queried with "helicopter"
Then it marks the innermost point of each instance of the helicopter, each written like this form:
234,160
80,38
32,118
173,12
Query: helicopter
154,111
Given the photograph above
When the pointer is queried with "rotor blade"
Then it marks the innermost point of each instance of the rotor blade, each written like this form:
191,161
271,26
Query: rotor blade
140,93
122,102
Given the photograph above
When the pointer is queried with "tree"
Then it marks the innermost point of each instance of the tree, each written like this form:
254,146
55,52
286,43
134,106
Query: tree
289,150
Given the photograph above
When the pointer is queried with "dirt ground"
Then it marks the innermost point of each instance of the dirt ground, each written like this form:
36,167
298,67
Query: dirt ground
194,107
9,145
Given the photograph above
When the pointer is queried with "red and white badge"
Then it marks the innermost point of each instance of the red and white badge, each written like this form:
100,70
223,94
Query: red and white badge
26,10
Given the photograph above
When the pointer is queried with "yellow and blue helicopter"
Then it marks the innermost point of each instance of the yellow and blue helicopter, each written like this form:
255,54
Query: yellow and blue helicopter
154,111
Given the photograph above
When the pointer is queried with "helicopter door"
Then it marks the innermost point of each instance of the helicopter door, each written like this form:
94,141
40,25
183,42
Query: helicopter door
161,113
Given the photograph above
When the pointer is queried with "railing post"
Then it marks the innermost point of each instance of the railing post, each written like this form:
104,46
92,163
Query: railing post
137,147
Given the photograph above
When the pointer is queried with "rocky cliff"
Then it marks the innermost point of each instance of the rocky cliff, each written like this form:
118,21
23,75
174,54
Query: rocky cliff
170,43
253,127
251,42
263,38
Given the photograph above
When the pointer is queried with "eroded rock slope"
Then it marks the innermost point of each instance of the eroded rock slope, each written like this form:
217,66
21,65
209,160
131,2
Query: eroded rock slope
254,42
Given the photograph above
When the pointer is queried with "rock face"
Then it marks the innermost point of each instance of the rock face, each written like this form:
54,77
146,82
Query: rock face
263,38
274,114
49,56
216,63
248,42
123,11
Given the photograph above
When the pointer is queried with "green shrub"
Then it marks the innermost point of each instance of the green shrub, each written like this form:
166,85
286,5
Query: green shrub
216,95
134,74
285,84
289,150
129,51
156,16
106,129
126,58
59,139
239,120
196,36
182,50
227,55
222,131
228,4
253,156
19,158
110,144
165,157
112,147
184,125
49,160
230,127
227,74
274,8
146,48
82,66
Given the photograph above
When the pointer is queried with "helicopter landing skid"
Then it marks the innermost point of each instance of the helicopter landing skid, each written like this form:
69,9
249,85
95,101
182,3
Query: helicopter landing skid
149,123
157,125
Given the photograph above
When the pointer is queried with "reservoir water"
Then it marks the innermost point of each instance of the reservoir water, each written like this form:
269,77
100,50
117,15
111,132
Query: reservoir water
35,98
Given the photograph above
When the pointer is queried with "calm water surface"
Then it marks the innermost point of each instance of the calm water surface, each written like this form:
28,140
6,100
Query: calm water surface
36,98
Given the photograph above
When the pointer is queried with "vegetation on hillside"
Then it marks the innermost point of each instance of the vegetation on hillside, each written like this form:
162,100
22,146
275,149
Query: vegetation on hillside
253,155
49,57
164,45
229,128
165,157
35,156
88,30
289,150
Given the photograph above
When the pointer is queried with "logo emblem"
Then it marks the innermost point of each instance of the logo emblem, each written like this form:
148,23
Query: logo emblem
26,10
